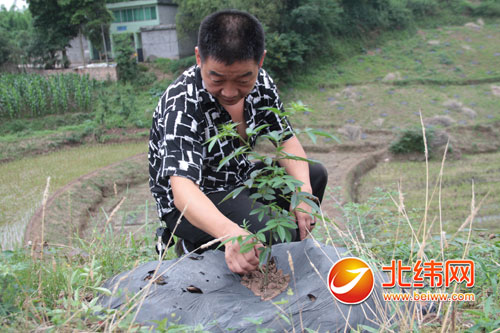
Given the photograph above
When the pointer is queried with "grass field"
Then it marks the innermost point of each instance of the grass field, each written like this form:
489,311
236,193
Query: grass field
448,55
388,107
456,190
22,182
448,71
428,68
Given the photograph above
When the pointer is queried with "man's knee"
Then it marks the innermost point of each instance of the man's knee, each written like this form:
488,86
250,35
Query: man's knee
319,177
318,172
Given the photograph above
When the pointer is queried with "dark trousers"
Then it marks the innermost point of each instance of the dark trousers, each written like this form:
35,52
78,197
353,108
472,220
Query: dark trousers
239,208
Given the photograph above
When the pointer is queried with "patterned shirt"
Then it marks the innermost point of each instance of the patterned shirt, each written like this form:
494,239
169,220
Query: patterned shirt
187,115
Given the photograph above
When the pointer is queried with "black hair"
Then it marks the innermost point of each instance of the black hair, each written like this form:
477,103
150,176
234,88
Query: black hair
231,35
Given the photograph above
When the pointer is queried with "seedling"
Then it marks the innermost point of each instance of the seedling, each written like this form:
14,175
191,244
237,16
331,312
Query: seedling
270,184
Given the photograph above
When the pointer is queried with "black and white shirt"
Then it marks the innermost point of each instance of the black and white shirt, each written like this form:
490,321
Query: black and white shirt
187,115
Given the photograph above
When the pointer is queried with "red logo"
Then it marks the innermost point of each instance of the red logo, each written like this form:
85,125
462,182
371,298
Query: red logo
350,280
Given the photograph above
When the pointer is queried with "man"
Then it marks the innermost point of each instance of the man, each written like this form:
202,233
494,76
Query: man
227,85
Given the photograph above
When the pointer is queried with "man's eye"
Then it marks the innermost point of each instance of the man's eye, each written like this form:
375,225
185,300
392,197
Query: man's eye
243,82
217,81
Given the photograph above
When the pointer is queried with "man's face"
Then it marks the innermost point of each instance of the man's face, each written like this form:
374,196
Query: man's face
229,84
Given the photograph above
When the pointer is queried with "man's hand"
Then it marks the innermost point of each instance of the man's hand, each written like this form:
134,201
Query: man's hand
238,262
305,220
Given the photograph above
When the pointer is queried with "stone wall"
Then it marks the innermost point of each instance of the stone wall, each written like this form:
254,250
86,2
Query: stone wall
98,73
160,42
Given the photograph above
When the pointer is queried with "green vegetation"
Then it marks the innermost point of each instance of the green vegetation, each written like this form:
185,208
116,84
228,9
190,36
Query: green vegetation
304,31
126,64
380,229
480,171
33,95
411,141
57,289
175,67
16,30
22,181
270,185
56,23
387,85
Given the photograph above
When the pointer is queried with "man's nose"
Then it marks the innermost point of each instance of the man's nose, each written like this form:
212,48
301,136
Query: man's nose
229,91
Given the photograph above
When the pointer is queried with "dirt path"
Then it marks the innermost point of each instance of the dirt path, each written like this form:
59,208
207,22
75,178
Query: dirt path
134,211
119,195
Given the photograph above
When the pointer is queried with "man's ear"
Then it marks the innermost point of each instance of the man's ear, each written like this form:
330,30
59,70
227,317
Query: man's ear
262,58
198,56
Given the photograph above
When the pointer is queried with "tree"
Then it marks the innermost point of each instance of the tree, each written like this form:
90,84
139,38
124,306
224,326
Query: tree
91,16
57,22
16,34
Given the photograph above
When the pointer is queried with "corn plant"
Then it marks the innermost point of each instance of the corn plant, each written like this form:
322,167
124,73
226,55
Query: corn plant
33,95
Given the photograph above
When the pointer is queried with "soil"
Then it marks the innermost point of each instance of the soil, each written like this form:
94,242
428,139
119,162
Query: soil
346,164
277,282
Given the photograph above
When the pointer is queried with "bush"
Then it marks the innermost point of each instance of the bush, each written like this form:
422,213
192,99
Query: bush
411,141
285,51
126,64
423,8
174,66
361,16
489,8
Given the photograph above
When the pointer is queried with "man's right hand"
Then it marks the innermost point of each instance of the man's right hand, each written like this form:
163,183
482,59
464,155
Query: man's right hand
238,262
204,215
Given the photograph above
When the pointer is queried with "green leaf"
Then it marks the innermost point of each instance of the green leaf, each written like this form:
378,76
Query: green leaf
281,232
282,316
254,321
233,194
247,247
102,290
261,237
281,302
269,197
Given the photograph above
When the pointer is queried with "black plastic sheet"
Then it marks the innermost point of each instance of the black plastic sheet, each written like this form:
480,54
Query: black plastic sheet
200,289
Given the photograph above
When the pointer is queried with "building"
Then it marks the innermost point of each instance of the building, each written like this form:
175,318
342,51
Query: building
151,26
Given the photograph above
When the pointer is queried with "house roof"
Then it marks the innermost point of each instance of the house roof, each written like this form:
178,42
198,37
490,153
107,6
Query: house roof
158,27
136,3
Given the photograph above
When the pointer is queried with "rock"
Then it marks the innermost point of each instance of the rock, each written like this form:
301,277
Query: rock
453,104
473,26
495,90
444,121
379,122
480,22
152,58
439,139
433,42
349,93
392,77
438,145
466,47
469,112
351,132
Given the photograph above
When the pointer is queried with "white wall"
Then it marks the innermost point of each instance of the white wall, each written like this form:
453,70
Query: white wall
160,44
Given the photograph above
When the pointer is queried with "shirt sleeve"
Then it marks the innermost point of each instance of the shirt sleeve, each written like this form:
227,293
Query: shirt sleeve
279,123
180,148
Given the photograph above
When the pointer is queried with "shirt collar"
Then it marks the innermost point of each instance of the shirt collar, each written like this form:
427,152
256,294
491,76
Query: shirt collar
203,95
